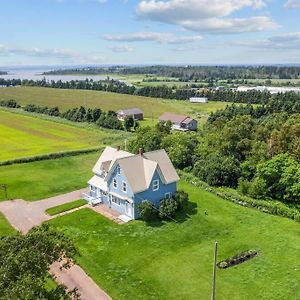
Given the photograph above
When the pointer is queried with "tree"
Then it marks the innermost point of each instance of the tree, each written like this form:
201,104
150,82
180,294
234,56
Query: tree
25,260
218,170
167,208
147,211
128,123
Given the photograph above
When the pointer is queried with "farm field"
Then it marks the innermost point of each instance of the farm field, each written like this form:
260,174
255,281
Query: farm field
66,99
43,179
25,135
139,261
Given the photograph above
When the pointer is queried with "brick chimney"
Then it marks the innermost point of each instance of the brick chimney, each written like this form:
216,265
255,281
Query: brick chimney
141,151
118,148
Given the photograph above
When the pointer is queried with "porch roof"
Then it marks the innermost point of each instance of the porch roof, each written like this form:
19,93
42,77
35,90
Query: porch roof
98,182
121,197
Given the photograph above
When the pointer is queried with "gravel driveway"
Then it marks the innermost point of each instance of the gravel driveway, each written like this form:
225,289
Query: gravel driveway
23,215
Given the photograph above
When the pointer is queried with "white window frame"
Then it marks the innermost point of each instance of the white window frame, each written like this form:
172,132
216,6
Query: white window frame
93,188
115,200
115,183
118,170
124,186
168,195
155,185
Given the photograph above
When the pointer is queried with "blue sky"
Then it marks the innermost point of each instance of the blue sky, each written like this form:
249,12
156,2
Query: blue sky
39,32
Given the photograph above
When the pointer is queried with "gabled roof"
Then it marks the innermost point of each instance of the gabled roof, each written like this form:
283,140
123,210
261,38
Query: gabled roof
130,111
175,118
167,169
107,159
138,169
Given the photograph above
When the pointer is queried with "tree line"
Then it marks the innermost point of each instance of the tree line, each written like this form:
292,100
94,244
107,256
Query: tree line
193,73
103,119
165,92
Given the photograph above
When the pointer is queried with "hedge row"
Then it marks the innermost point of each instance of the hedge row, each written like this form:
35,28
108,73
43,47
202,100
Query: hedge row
48,156
270,207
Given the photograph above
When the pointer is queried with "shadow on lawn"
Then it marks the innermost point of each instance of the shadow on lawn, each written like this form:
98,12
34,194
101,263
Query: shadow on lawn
180,217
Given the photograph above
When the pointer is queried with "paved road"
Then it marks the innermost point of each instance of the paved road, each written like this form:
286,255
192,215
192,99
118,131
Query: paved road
23,215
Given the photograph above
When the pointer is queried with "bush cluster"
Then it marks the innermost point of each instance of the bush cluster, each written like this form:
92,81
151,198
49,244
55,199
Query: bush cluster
168,207
9,103
51,111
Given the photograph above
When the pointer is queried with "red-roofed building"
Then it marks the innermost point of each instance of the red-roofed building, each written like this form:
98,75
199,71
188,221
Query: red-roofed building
180,122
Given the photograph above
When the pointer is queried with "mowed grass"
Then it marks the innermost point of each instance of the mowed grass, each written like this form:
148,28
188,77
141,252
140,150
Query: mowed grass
5,227
174,260
66,99
23,136
43,179
65,207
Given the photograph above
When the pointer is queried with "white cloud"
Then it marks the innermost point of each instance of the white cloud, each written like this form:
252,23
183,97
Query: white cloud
293,4
121,48
206,15
288,41
158,37
63,55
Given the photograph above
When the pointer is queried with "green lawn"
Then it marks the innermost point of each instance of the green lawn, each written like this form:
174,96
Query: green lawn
42,179
5,227
66,99
174,260
25,135
65,207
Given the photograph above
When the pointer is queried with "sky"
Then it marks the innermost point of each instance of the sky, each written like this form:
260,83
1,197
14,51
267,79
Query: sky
69,32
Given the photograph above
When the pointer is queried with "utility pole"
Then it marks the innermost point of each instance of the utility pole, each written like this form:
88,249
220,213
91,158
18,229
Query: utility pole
4,187
213,294
125,144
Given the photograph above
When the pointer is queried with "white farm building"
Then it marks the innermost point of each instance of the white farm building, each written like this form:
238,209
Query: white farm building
198,100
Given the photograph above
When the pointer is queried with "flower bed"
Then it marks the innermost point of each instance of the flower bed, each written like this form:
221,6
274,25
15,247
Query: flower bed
237,259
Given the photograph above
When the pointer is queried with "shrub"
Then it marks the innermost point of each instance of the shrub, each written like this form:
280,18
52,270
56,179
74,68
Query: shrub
9,103
167,208
181,198
147,211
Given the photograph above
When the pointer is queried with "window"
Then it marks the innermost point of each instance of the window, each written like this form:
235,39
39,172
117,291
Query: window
118,170
124,187
93,188
115,184
115,200
155,185
168,195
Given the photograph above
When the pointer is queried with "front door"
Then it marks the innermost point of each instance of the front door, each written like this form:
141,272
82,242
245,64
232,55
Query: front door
128,209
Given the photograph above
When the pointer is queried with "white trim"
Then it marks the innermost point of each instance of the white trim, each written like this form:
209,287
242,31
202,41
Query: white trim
115,183
155,183
168,195
124,184
119,200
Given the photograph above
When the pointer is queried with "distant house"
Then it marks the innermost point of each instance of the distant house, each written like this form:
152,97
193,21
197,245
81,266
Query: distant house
136,113
198,99
180,122
123,180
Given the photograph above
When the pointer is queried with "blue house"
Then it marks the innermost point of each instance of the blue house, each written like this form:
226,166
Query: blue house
123,180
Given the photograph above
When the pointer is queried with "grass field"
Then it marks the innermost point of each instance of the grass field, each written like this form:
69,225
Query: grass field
22,136
65,207
43,179
5,228
174,260
66,99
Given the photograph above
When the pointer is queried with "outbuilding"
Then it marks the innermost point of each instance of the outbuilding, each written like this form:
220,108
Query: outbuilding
198,99
136,113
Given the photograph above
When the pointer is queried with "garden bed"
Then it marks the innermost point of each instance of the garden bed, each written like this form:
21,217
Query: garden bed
237,259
